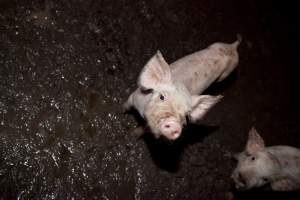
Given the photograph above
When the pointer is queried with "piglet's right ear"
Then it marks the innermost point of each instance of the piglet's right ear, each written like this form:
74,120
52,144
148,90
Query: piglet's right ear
156,72
255,142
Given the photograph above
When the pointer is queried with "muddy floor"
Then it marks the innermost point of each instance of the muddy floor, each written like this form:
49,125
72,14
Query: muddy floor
67,66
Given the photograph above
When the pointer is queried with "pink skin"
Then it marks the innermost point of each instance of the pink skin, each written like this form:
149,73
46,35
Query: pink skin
166,94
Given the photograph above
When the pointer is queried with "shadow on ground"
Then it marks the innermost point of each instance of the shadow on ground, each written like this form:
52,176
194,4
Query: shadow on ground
166,155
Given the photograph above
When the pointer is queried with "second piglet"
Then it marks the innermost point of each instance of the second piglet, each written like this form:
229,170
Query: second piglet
168,94
258,165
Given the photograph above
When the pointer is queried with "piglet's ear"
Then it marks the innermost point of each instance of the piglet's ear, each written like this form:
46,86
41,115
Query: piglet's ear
201,104
156,72
255,142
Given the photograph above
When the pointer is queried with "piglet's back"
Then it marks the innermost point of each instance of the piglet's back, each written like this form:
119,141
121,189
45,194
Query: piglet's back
199,70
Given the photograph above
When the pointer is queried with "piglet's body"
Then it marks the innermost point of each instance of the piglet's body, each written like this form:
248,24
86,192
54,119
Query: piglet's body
167,94
258,165
288,178
199,70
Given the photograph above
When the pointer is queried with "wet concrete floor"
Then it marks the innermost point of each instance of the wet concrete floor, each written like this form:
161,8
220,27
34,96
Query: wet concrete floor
67,66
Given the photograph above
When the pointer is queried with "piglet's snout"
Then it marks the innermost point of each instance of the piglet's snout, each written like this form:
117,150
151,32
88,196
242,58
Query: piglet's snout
239,180
170,129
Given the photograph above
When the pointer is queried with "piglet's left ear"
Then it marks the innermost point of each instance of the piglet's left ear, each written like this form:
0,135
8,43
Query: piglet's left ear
255,142
155,73
201,104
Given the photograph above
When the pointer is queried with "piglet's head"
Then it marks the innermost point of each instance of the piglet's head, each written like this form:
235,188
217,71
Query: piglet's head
169,102
256,166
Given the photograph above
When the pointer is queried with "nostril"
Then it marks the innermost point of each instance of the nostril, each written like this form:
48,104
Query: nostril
240,176
241,179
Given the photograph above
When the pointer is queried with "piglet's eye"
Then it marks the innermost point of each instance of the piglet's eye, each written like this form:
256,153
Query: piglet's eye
162,97
253,158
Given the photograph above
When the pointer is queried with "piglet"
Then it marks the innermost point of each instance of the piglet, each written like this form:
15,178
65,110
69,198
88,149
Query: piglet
258,165
169,94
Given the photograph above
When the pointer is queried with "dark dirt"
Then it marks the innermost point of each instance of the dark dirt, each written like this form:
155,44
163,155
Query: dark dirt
67,66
